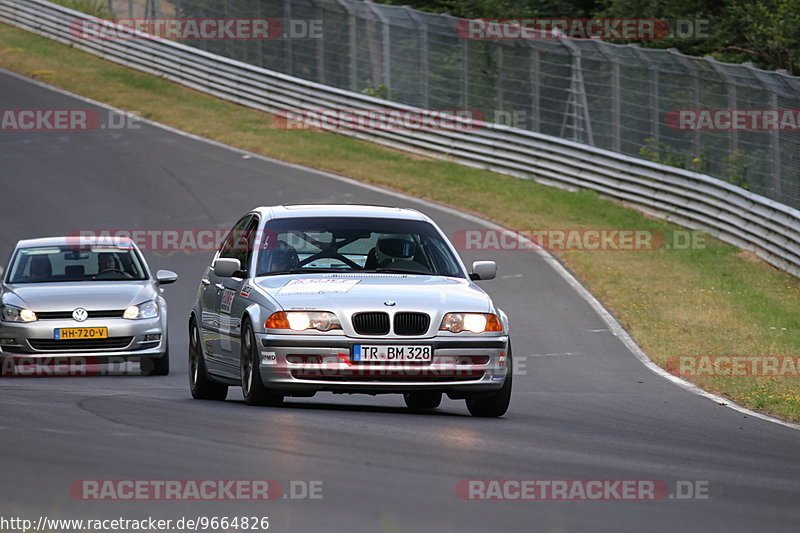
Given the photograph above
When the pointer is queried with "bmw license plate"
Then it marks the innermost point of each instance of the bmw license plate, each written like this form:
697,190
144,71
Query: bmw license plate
80,333
383,352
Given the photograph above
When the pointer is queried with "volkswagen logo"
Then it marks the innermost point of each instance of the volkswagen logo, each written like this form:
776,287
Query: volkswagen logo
80,314
390,303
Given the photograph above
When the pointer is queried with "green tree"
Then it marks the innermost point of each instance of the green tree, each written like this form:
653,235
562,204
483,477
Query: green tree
765,32
505,8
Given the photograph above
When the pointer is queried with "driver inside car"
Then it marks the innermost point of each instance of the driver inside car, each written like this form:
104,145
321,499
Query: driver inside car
281,258
40,269
106,262
395,253
393,250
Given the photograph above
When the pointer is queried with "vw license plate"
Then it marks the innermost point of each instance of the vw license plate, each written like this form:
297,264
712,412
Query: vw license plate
80,333
380,352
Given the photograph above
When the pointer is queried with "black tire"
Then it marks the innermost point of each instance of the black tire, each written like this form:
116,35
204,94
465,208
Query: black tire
155,366
496,404
200,384
423,399
253,389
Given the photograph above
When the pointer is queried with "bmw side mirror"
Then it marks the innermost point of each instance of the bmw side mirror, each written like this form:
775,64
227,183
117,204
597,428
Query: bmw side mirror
226,267
165,277
483,270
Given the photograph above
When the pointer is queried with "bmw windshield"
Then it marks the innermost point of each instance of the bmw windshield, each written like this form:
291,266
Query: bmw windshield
354,244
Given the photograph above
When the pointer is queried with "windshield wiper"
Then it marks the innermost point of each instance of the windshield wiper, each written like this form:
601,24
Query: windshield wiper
402,271
306,271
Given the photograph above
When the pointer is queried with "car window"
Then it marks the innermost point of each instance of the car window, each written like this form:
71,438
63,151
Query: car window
249,239
70,264
235,243
356,244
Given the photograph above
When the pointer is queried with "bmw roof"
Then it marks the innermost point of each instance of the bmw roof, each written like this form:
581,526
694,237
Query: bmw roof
339,210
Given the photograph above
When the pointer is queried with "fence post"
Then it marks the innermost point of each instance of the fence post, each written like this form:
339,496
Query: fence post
287,17
682,59
464,73
535,74
774,138
577,107
730,85
655,105
385,47
423,55
616,129
259,43
320,44
775,151
499,98
352,44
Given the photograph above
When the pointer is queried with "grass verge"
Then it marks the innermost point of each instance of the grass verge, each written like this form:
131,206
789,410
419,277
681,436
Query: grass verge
710,300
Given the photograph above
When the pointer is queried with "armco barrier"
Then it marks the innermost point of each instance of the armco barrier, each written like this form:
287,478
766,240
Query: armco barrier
693,200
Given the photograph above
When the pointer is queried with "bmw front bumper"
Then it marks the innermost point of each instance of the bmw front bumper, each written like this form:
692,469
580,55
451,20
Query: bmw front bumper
307,363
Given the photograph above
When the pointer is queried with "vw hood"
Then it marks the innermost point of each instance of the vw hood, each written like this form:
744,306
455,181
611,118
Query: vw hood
92,296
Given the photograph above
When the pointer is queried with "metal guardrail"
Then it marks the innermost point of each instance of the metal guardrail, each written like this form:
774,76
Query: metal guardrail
618,97
696,201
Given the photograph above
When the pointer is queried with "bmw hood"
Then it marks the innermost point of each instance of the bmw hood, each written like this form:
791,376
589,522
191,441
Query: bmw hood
92,296
349,293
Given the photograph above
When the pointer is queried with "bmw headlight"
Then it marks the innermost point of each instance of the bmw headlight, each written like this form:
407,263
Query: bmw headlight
474,322
303,320
15,314
141,311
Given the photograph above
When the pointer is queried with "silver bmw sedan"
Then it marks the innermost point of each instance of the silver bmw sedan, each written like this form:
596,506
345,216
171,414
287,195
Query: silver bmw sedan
79,298
347,299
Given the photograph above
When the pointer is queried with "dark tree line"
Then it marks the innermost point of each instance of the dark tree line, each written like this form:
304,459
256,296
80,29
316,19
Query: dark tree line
764,32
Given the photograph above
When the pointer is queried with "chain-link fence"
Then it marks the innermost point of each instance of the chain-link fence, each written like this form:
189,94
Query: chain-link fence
610,96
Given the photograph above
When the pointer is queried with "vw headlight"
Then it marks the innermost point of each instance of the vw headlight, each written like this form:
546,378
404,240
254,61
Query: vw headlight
303,320
143,310
474,322
15,314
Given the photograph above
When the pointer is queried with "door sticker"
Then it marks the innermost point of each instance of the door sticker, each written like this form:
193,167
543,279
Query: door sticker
227,301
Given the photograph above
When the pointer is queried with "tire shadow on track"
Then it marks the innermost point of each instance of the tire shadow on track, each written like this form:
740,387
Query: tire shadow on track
362,408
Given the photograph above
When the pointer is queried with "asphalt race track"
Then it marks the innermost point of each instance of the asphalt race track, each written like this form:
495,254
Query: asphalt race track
583,407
